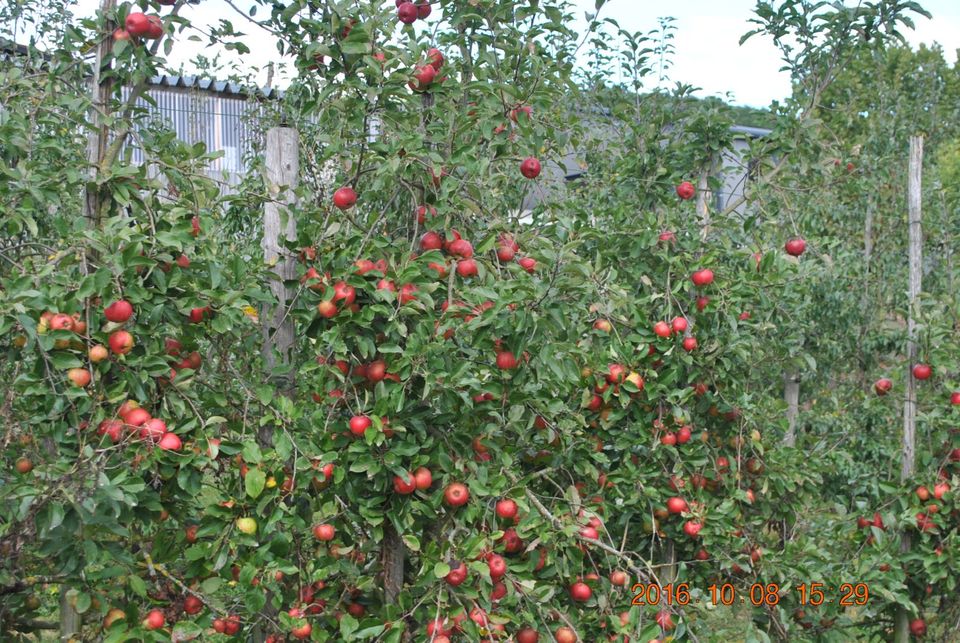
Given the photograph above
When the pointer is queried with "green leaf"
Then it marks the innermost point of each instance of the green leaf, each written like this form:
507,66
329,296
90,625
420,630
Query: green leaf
254,482
138,586
348,625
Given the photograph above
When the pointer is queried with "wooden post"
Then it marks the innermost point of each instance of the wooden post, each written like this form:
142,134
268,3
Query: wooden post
71,623
282,169
703,199
279,224
791,394
901,632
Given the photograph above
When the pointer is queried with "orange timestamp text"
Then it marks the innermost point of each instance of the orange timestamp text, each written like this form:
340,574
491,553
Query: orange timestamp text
757,594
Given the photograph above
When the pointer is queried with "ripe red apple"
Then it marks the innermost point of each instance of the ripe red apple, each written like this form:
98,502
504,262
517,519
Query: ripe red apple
528,635
137,24
461,248
580,592
23,465
689,344
686,190
923,493
327,309
565,635
882,386
423,478
303,632
668,439
467,268
423,77
702,277
120,34
506,360
154,620
702,303
506,509
662,329
664,620
344,198
407,293
530,167
918,627
153,429
458,574
192,605
497,566
359,424
423,9
922,371
528,263
435,58
602,325
404,485
119,311
121,342
197,315
955,398
156,27
407,13
80,377
431,241
940,490
170,442
324,532
590,532
505,254
679,324
795,247
456,494
618,578
677,505
692,528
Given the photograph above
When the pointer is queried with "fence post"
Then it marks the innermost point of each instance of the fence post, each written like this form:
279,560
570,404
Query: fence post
901,631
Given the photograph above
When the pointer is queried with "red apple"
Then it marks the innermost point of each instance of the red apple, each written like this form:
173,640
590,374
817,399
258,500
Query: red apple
456,494
407,13
458,574
344,198
580,592
530,168
528,263
686,190
677,505
679,324
404,485
423,77
795,247
137,25
119,311
702,278
121,342
692,528
154,620
689,343
662,329
467,268
506,509
565,635
882,386
423,478
80,377
922,371
506,360
327,309
324,532
359,424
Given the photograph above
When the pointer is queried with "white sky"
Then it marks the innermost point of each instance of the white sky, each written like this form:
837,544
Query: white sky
706,51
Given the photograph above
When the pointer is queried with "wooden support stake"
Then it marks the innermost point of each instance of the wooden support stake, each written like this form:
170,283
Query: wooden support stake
901,632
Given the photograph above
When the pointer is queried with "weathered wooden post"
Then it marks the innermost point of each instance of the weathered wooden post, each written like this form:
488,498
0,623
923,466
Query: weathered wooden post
901,633
280,225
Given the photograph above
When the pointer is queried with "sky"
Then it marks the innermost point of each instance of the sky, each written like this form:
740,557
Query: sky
707,54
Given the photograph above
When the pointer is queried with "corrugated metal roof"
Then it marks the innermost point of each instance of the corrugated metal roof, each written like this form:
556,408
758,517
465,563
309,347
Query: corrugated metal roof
216,86
752,132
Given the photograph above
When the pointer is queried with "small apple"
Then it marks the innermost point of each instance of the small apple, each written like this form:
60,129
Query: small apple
23,465
80,377
359,424
407,13
98,353
692,528
618,578
580,592
121,342
795,247
689,344
677,505
662,329
686,190
528,263
456,494
530,168
679,324
327,309
702,277
506,509
882,386
154,620
467,268
324,532
922,371
565,635
247,525
344,198
423,478
404,485
506,360
170,442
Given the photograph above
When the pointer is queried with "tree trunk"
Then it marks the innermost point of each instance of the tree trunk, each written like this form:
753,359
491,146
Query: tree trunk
279,225
901,631
791,394
703,199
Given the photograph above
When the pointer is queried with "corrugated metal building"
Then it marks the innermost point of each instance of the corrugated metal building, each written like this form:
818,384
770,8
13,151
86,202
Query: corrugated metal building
224,116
